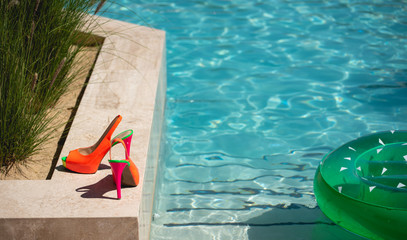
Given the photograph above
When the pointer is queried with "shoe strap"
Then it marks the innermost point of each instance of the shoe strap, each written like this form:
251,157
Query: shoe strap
113,125
108,132
119,140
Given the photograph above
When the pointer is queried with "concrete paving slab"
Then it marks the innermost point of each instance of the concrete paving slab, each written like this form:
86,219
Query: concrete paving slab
129,79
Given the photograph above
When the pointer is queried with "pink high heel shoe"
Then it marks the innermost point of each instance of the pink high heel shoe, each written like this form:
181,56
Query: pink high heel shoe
124,171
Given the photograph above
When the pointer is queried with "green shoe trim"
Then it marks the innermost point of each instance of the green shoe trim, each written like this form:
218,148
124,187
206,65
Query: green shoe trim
123,161
126,136
64,161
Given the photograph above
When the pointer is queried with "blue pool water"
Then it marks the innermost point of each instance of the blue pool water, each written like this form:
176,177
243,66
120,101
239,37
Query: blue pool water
258,92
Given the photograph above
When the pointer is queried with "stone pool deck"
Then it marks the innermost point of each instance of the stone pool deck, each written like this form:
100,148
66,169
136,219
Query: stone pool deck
129,78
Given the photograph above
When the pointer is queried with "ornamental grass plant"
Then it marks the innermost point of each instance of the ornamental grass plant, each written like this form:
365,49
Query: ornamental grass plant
39,40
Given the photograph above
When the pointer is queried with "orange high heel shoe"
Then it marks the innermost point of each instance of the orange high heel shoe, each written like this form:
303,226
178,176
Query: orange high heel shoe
125,172
87,160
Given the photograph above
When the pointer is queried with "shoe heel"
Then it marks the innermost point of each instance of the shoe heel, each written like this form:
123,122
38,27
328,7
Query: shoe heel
117,169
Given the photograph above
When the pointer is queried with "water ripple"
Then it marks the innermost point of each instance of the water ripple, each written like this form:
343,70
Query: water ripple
258,92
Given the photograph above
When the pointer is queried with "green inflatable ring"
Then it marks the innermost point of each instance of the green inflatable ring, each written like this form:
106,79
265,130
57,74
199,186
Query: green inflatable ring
362,185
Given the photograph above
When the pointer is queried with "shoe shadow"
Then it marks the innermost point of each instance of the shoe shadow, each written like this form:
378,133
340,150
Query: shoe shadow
61,168
98,189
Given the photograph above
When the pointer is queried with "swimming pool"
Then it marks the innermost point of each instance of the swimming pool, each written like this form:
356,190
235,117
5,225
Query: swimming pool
258,92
